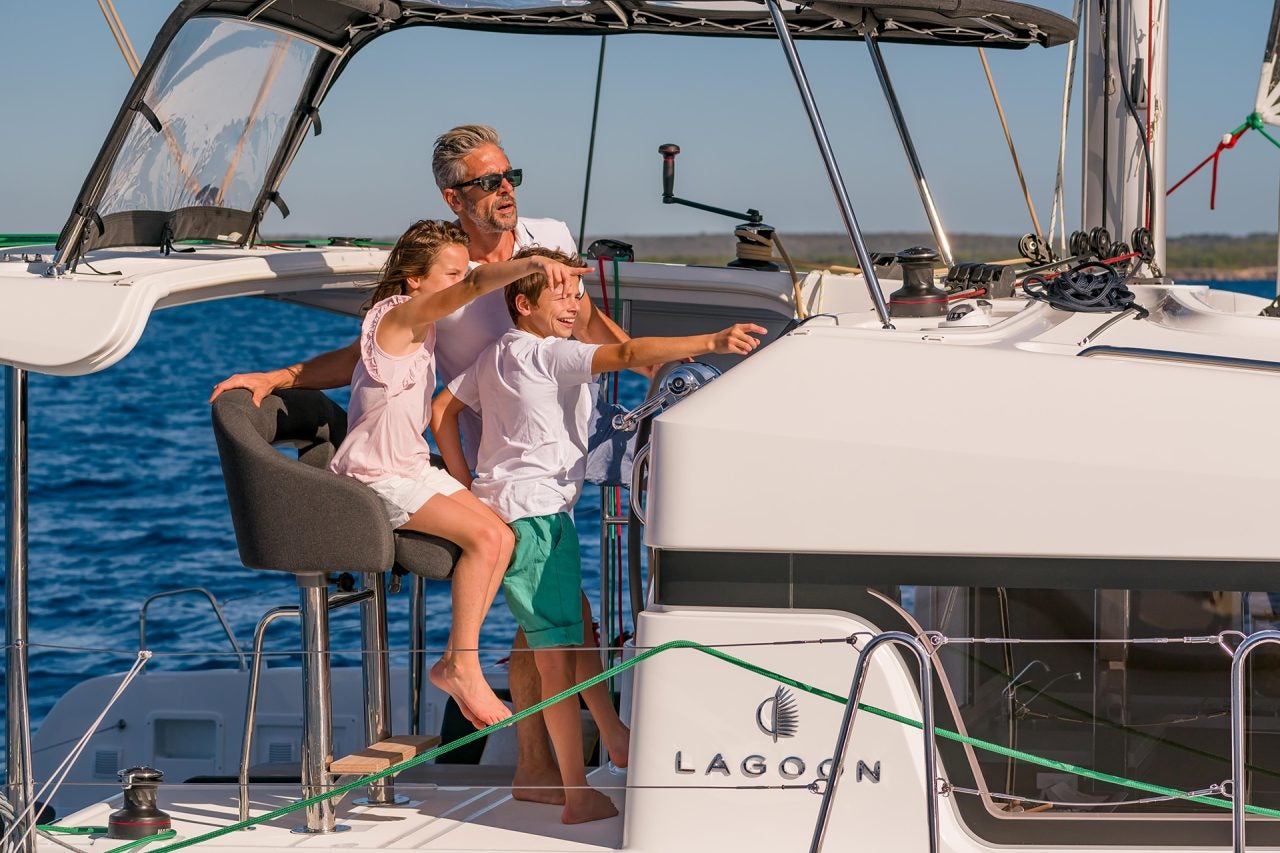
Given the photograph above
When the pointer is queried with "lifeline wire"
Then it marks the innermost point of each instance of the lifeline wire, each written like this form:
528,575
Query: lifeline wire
60,774
342,790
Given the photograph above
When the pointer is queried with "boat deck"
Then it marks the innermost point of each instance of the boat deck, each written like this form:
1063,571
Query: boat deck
448,811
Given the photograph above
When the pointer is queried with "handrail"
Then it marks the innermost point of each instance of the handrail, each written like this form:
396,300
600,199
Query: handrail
1239,785
1176,357
142,618
851,710
341,599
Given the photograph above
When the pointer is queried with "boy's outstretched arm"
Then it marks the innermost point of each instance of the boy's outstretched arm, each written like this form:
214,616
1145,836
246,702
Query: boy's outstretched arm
640,352
445,409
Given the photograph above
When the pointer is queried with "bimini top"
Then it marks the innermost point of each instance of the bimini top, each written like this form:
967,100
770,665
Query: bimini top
230,88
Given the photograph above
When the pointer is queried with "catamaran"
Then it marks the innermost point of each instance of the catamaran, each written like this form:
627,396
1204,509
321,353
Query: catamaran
1012,475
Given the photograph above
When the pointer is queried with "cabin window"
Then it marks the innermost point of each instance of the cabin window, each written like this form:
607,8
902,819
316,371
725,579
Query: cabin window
1084,688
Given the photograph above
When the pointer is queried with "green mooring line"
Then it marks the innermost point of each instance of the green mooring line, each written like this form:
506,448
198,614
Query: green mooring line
342,790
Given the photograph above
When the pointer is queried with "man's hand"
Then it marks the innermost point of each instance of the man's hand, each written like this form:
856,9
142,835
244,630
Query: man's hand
259,384
737,340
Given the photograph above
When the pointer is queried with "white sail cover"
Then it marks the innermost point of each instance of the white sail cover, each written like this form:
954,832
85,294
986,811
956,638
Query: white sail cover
1267,103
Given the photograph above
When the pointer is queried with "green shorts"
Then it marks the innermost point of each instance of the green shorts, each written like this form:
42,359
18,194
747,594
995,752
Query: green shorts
543,586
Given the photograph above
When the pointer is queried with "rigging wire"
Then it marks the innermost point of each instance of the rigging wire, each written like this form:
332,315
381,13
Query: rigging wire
1013,151
591,147
1058,210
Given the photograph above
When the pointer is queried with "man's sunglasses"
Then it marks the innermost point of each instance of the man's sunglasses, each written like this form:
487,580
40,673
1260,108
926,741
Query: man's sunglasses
491,182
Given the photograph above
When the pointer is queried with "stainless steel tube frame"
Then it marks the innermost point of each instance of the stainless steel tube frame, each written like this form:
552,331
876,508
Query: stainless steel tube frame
909,148
376,671
851,710
417,651
317,706
251,705
829,160
217,611
1239,789
18,782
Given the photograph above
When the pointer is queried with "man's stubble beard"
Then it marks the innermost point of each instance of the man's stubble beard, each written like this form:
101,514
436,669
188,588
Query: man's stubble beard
490,223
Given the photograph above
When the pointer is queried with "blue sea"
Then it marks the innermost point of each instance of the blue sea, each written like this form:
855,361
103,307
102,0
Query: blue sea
126,500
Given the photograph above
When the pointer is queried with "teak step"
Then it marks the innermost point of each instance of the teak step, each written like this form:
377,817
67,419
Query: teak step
383,754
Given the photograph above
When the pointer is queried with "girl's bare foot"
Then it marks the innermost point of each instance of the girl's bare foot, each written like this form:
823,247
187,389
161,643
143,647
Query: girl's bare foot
618,744
474,696
542,786
586,804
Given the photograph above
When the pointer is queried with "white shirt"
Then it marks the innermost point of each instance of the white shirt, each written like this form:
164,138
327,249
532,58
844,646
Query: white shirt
533,396
461,336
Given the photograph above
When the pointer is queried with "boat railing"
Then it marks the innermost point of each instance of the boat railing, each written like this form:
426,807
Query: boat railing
213,602
337,600
922,654
1239,785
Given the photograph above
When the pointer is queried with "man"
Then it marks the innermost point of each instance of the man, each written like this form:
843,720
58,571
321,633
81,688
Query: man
477,182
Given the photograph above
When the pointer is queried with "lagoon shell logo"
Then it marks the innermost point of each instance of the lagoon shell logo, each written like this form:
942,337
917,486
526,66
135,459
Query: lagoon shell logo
778,715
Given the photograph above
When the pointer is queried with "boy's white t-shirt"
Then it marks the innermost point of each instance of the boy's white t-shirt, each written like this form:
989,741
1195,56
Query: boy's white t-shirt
535,403
462,335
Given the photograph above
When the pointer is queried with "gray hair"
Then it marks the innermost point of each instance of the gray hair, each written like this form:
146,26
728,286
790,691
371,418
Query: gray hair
451,147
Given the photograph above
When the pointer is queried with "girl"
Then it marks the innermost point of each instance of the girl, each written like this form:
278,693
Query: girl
426,278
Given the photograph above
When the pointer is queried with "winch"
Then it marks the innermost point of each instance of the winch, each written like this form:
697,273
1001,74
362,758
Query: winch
139,817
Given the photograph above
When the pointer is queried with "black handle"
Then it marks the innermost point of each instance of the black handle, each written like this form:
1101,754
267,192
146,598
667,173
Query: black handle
668,152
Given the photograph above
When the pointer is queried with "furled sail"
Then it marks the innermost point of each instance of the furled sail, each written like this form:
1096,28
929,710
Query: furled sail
1267,104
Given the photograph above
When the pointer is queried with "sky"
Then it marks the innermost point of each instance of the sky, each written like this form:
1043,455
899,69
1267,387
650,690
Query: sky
730,104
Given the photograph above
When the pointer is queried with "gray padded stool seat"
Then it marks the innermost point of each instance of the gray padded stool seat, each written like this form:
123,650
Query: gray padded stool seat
296,516
304,518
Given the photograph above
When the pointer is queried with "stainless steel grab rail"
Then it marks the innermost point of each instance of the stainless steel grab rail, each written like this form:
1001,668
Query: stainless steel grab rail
251,706
1176,357
851,710
213,602
1239,789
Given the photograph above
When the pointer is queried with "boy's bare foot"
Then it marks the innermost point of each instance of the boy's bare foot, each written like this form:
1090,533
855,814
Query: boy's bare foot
618,744
538,786
474,696
587,805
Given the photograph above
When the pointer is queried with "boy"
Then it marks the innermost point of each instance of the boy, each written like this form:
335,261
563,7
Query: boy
531,390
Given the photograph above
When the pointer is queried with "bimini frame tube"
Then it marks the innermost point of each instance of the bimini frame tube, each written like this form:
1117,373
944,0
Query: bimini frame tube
909,148
846,725
18,712
829,160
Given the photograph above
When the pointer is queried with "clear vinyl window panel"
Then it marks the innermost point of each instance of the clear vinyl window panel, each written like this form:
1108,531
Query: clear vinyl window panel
224,93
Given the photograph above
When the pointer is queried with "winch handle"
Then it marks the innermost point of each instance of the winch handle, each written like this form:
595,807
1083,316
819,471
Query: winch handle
668,151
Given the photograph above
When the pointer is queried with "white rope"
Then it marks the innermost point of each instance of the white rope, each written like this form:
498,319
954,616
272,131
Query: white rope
59,775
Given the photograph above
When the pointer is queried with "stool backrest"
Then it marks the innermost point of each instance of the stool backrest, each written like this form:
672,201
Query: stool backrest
294,515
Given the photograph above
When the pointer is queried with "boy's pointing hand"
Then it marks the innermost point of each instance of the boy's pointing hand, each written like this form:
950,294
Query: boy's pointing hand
738,340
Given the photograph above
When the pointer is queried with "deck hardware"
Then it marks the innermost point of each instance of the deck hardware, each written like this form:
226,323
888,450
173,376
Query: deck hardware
19,785
917,647
679,383
139,817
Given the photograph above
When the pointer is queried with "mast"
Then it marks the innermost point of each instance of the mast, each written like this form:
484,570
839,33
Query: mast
1125,47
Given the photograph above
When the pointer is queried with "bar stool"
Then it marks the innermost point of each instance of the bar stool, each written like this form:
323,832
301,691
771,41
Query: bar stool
296,516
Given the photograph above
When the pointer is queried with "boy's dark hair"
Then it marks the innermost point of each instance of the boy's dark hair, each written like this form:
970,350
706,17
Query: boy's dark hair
533,284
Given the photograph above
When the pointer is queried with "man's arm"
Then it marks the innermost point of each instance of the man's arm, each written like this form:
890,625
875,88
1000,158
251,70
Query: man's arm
445,409
332,369
639,352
